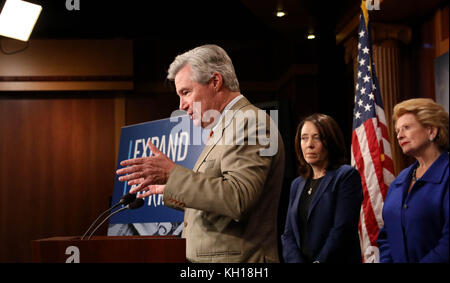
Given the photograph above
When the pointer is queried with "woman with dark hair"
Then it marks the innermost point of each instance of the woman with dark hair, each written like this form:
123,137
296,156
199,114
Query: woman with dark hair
325,200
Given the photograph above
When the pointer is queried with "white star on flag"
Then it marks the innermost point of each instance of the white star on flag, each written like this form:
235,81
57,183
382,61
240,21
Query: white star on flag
362,62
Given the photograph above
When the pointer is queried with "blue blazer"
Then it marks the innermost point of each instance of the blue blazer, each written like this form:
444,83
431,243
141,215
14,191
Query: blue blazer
333,219
416,224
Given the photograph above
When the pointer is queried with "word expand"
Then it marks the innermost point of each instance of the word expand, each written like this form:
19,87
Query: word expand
176,149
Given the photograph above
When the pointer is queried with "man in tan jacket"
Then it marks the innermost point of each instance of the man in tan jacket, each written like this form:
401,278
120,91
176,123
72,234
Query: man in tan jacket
231,196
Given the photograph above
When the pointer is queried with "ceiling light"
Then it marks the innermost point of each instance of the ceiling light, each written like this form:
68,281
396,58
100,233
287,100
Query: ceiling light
18,18
311,36
280,13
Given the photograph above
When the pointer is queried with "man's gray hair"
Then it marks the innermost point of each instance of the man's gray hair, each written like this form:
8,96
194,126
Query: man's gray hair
204,61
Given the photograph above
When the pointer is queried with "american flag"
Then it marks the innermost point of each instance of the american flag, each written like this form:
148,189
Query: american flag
371,151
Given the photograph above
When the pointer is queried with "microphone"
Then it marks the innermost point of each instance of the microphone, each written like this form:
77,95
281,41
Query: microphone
126,199
134,205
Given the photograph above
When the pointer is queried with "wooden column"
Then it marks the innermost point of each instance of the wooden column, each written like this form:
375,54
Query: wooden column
387,40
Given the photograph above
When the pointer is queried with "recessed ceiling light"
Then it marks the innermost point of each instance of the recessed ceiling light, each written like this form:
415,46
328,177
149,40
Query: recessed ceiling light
280,14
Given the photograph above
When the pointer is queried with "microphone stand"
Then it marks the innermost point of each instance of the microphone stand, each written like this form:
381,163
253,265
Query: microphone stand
109,216
126,199
109,209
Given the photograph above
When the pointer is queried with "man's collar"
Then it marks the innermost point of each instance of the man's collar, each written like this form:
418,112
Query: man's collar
227,107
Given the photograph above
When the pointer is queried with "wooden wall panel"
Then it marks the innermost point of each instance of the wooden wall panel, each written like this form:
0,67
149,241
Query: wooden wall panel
441,30
56,168
144,107
59,58
66,65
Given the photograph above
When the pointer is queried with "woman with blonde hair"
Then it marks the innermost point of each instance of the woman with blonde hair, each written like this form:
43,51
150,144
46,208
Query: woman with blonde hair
416,208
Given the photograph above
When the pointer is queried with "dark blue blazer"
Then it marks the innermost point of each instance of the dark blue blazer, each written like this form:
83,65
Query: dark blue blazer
416,224
332,219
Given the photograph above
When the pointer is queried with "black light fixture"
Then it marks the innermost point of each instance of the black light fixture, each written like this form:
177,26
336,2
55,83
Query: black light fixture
17,19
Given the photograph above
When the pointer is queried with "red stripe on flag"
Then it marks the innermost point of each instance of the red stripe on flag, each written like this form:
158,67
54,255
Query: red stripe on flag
388,164
384,130
369,216
375,153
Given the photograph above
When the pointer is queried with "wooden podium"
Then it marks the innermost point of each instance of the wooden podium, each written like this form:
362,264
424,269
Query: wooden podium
150,249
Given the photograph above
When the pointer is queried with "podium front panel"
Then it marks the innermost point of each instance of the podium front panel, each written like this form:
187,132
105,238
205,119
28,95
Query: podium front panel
149,249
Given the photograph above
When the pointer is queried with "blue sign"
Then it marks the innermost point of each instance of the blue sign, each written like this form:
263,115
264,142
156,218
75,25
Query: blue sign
176,137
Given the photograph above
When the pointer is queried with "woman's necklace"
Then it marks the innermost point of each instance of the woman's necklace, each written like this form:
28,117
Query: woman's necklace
312,185
313,182
414,178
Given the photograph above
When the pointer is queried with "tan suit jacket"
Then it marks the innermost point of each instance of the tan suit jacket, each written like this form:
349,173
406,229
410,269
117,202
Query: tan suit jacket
231,196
